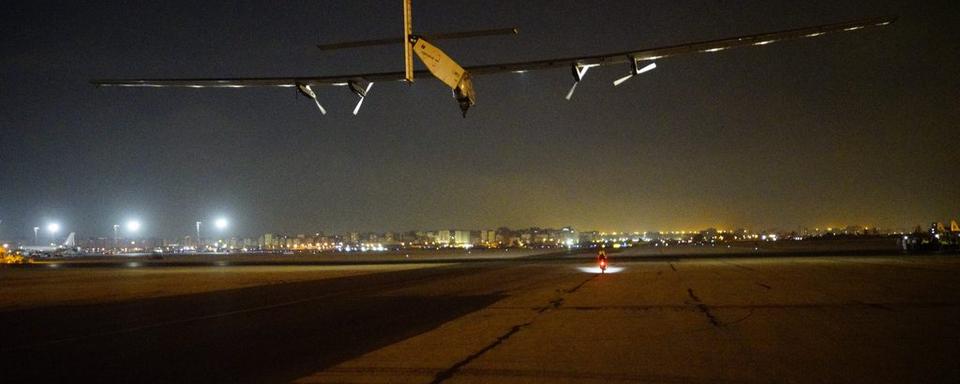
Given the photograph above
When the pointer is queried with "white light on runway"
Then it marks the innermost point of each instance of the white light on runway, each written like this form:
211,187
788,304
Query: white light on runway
597,269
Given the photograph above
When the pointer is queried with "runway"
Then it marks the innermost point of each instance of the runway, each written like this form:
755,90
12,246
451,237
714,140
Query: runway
823,319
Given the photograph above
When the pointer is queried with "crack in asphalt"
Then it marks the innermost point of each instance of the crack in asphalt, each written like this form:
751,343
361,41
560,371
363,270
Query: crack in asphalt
449,372
764,285
703,308
553,304
557,302
574,289
741,266
693,295
672,267
874,305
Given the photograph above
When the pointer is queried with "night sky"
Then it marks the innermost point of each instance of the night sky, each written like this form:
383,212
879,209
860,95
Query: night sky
852,128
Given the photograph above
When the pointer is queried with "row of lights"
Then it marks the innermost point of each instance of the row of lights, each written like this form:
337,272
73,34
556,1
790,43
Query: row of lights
132,226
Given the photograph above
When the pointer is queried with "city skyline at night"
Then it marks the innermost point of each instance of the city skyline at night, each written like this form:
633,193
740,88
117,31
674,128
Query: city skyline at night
848,128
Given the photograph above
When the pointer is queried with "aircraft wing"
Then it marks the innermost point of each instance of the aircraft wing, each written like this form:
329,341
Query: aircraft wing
583,61
708,46
244,82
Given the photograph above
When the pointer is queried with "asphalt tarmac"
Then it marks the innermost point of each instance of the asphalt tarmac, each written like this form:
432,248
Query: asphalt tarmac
273,333
823,319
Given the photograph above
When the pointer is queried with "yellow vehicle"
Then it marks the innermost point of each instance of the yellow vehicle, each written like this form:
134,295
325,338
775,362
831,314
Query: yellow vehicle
6,257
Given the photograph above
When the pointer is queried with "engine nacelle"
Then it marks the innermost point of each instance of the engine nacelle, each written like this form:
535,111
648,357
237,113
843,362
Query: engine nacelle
465,94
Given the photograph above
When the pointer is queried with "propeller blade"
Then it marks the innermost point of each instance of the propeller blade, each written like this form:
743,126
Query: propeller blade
578,73
648,68
322,111
622,79
636,71
364,96
310,94
573,88
357,108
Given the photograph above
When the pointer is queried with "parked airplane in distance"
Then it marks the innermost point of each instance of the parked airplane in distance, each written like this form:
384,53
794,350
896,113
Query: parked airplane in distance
68,248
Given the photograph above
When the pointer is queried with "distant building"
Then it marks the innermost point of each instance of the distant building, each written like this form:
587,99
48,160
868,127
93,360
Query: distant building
506,237
594,236
709,235
268,241
488,237
461,238
569,236
853,230
96,243
444,236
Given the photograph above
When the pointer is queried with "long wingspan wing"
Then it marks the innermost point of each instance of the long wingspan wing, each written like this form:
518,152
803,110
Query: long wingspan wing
603,59
687,48
244,82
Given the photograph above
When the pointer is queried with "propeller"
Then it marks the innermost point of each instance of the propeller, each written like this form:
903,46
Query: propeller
636,71
579,71
362,92
310,94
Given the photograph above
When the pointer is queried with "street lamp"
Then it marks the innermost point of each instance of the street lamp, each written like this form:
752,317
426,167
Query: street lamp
116,236
198,235
221,225
35,240
53,228
133,226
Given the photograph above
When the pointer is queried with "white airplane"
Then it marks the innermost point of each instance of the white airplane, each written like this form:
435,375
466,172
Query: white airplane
459,78
68,247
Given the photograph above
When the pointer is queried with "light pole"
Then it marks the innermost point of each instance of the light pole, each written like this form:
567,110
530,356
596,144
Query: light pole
53,228
132,227
198,235
35,240
116,236
221,224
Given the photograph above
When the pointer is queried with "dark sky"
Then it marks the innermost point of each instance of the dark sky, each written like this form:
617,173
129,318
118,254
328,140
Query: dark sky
855,128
